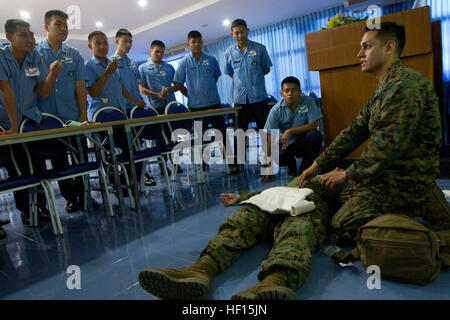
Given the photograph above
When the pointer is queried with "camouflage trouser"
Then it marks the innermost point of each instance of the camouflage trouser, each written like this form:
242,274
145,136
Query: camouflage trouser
359,206
295,238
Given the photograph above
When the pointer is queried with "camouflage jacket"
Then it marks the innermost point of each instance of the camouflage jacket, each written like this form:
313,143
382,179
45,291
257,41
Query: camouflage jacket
403,123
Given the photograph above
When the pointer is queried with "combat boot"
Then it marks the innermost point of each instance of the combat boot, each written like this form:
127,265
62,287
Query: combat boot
272,287
190,283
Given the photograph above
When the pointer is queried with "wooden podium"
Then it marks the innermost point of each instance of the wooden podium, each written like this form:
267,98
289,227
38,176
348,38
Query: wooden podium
345,89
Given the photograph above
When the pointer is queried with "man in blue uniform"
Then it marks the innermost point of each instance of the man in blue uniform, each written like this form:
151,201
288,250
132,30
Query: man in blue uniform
247,62
129,76
296,117
156,84
104,86
23,77
68,98
201,72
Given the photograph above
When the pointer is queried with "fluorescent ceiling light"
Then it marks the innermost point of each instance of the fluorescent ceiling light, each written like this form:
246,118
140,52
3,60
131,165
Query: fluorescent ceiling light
25,14
226,22
99,24
142,3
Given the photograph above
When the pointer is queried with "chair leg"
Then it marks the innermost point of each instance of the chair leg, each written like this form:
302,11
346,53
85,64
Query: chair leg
34,207
166,174
127,182
224,153
105,196
199,167
49,195
173,175
142,179
86,194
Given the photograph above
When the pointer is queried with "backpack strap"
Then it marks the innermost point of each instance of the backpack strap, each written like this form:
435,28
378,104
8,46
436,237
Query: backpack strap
444,250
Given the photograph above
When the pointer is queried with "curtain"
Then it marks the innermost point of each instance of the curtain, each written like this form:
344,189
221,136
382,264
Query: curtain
285,43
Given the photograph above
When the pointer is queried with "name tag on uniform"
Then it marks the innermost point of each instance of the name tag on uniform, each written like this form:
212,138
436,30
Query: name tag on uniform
162,73
105,100
237,61
205,63
32,72
252,53
193,68
66,60
302,109
151,69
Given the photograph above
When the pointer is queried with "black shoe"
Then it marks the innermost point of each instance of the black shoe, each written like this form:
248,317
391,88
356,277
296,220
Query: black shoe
3,234
43,214
234,169
149,181
3,222
205,167
72,206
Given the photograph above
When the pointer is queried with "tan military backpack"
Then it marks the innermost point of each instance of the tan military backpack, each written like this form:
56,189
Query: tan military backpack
404,249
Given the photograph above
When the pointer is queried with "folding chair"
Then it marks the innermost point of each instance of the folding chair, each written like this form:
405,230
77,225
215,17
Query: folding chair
74,170
109,114
30,182
148,132
175,107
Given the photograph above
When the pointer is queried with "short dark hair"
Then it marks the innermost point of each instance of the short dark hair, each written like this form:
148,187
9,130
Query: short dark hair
123,32
238,23
49,14
194,34
12,24
390,31
291,79
96,33
157,43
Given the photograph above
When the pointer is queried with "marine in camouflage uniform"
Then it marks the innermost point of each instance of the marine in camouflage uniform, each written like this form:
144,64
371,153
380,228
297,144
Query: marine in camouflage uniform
295,238
395,174
397,170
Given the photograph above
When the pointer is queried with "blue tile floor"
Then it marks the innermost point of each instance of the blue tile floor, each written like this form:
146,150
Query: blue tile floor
110,252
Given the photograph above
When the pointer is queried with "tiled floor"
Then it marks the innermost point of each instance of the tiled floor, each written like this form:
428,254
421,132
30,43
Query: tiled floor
110,252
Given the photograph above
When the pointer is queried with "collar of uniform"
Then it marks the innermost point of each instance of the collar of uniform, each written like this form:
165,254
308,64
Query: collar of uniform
8,52
201,56
44,44
391,72
151,63
98,61
120,57
249,46
28,57
299,103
